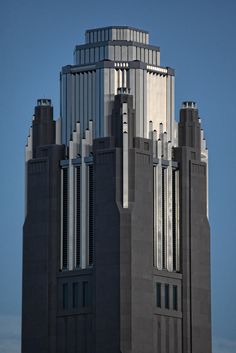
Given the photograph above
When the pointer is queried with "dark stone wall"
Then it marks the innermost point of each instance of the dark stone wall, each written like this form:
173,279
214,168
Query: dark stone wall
75,334
200,261
41,251
75,323
41,236
123,243
43,127
195,237
167,324
107,251
142,246
123,252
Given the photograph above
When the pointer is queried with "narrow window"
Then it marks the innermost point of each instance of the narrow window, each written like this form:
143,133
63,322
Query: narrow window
158,295
85,294
167,303
65,296
75,295
175,298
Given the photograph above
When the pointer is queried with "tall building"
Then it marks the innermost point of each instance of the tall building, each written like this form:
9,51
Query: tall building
116,247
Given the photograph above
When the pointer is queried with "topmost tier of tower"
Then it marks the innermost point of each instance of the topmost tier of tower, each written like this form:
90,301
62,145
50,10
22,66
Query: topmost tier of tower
116,33
116,43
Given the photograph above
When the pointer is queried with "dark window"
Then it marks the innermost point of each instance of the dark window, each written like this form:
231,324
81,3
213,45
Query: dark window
158,295
75,295
175,298
85,294
167,301
65,296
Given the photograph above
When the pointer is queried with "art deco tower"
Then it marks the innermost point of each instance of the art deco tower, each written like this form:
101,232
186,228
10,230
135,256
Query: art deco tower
116,248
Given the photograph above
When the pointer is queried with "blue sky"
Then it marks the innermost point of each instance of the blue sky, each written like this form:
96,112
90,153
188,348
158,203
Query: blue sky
197,38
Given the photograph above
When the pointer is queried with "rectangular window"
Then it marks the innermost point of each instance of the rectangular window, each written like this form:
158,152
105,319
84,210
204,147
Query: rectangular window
158,295
167,301
85,294
175,298
65,296
75,295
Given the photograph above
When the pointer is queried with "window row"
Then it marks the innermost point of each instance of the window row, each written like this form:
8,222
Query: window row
76,295
163,296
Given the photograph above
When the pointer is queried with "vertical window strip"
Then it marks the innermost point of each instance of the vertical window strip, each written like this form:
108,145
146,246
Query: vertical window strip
163,220
177,220
78,217
91,216
65,220
155,251
174,219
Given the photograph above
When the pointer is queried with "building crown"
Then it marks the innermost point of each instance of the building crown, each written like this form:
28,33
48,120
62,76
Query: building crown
116,33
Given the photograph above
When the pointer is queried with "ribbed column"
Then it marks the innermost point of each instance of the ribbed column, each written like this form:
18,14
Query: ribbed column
125,155
83,205
158,231
166,203
73,152
177,221
169,212
71,214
